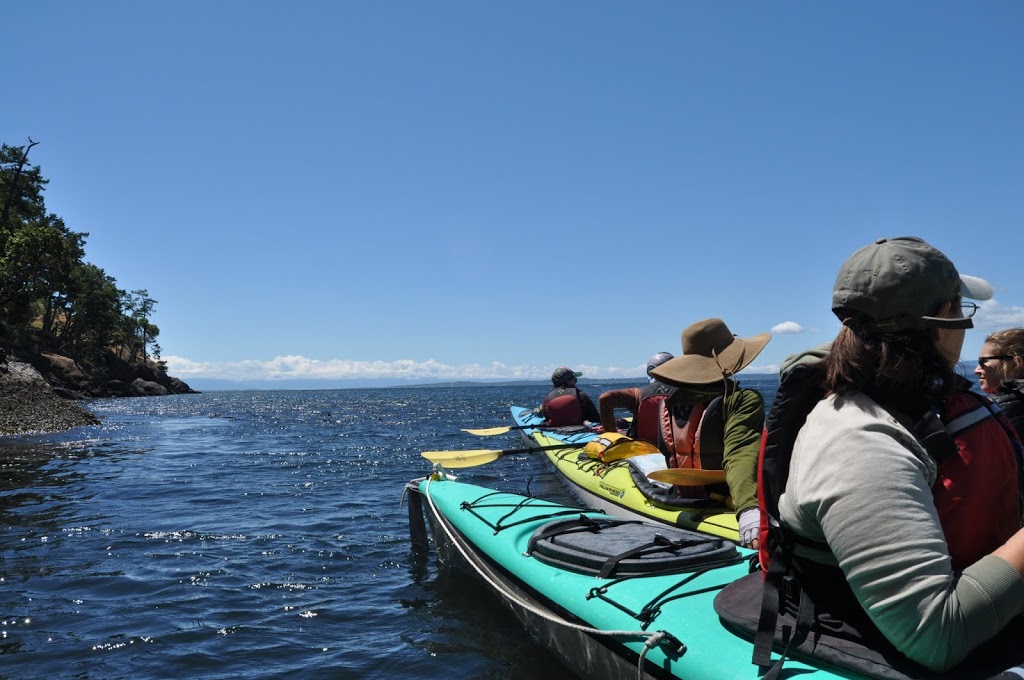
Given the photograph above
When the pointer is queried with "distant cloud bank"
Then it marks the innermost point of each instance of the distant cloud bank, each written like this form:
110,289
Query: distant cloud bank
290,368
302,368
787,328
993,315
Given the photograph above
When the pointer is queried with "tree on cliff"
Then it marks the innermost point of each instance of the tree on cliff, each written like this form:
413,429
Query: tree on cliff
50,298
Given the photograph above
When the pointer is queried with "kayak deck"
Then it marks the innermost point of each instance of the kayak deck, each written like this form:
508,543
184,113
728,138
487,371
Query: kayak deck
662,625
613,487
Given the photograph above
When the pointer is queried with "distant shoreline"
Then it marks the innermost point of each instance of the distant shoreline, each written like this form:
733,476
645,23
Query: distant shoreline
217,385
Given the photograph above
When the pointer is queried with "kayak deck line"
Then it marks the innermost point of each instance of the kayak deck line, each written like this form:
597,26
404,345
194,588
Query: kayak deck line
671,646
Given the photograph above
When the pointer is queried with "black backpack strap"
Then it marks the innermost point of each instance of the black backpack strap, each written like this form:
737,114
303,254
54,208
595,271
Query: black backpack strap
917,415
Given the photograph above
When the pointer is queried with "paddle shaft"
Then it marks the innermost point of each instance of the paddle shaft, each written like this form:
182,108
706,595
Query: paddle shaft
461,459
531,449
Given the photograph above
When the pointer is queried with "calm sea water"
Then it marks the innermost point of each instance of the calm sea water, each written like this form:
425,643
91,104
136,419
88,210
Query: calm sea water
254,534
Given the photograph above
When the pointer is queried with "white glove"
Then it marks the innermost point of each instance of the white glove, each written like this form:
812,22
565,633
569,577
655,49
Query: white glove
750,524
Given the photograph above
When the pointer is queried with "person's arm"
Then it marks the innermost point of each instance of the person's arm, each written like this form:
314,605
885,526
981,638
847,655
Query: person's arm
628,398
744,421
861,483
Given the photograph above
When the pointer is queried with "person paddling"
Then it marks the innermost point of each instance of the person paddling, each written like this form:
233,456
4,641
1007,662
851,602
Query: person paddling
643,403
706,394
567,404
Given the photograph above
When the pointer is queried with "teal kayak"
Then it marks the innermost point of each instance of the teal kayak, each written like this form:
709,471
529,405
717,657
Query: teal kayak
641,612
617,599
620,487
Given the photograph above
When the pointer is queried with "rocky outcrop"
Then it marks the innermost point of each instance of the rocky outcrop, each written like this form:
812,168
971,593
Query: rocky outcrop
28,404
147,388
115,379
46,395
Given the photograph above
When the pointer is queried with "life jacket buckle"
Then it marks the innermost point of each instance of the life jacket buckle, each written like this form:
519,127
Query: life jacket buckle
791,587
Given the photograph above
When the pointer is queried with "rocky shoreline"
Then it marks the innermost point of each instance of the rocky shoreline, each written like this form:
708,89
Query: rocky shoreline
32,402
29,405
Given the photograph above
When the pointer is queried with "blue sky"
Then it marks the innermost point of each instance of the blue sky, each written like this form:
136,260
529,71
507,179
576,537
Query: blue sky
482,190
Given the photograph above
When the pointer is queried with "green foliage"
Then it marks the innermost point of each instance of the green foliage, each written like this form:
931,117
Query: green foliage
50,298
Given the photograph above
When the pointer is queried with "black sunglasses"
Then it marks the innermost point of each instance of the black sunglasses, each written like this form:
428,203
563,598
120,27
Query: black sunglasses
1000,357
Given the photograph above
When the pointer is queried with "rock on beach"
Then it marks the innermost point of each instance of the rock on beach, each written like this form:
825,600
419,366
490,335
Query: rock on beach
28,404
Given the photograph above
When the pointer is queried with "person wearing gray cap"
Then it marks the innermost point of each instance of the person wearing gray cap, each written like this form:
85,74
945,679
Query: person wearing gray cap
567,404
899,517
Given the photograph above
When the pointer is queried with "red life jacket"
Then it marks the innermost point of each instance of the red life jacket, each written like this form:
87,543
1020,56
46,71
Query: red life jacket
647,421
976,498
695,439
562,407
680,436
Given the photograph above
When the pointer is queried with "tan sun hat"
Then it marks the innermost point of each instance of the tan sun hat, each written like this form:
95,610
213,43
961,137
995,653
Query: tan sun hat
710,353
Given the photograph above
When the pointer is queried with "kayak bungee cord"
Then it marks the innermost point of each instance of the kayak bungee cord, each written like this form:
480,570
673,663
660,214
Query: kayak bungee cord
652,639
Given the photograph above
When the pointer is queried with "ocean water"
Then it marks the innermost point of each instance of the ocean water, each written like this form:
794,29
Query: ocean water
254,534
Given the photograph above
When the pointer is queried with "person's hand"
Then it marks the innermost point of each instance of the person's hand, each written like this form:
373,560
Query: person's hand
750,525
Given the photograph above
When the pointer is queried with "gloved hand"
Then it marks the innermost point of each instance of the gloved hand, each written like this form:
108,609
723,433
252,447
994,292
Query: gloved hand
750,524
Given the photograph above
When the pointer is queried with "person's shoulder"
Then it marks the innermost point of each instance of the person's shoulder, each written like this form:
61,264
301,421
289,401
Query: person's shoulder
856,415
746,396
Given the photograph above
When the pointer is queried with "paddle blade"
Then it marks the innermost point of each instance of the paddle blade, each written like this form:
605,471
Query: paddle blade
488,431
688,477
462,459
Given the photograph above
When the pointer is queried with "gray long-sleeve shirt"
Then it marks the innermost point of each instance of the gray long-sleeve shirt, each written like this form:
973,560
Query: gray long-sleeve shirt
860,482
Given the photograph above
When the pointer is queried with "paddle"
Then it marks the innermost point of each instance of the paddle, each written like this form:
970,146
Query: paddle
464,459
688,476
490,431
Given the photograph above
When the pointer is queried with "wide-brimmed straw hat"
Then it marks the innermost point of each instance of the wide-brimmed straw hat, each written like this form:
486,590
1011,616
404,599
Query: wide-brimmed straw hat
710,353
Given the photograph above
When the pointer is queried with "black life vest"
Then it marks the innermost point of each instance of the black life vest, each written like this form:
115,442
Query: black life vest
1010,398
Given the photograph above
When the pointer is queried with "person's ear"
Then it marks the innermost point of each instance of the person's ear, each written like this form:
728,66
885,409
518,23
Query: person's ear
943,311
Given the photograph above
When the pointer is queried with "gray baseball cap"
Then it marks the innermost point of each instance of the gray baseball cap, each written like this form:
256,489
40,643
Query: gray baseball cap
896,285
564,376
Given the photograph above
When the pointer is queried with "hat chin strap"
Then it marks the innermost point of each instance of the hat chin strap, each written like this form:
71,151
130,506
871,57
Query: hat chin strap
725,379
739,362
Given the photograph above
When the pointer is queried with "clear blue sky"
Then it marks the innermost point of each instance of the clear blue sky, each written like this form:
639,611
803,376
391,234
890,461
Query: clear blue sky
489,190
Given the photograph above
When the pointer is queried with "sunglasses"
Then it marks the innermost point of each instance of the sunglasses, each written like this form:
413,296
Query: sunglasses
1000,357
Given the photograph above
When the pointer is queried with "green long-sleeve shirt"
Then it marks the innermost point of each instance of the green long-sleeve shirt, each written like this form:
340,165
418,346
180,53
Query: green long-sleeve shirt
744,422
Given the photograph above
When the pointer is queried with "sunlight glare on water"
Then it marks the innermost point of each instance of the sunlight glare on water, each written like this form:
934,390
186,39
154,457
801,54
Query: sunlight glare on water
252,534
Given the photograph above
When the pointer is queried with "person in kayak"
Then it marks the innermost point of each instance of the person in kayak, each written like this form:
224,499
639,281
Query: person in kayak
645,404
712,355
1000,373
861,516
566,404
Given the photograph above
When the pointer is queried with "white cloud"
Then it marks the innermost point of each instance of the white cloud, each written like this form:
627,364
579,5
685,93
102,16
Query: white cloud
787,328
294,367
993,315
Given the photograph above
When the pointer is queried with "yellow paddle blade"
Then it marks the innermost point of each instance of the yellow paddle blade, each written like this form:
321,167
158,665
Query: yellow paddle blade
488,431
462,459
688,477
